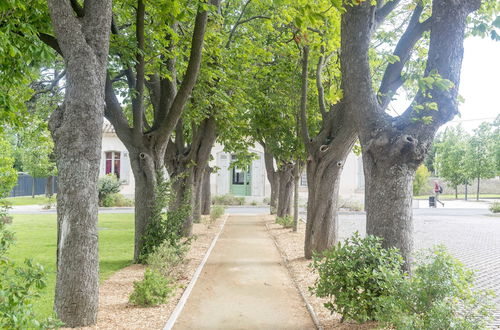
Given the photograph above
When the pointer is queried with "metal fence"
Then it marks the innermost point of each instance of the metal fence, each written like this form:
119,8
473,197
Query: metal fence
25,183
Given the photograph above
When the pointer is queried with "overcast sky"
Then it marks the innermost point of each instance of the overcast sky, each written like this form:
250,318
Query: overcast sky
480,82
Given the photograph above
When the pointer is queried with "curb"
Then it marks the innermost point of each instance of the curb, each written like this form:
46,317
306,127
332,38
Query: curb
185,295
310,309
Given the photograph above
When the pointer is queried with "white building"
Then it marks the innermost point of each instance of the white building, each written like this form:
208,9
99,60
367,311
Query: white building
251,182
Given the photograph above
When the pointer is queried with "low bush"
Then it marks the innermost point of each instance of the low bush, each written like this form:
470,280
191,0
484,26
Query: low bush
353,275
117,200
216,212
495,207
153,290
266,201
107,185
228,199
166,259
439,295
286,221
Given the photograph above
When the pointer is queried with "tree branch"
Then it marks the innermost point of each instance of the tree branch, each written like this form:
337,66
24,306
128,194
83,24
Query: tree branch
137,97
303,98
114,113
392,79
382,12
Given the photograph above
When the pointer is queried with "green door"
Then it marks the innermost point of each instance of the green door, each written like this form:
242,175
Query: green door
241,180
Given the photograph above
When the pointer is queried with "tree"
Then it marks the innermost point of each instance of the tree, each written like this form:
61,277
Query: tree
8,176
393,147
76,128
479,157
421,176
450,157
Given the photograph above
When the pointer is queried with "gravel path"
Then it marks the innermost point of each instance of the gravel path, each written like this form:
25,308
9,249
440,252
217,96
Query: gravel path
244,284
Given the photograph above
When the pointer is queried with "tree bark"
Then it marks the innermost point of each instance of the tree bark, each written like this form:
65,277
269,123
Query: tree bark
285,174
186,165
388,197
32,187
273,178
76,128
477,193
206,195
296,179
456,192
323,181
49,186
466,184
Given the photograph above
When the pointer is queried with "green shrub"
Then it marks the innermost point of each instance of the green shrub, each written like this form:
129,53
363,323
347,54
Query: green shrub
107,185
228,199
286,221
19,287
495,207
421,180
165,226
153,290
353,275
116,200
166,259
439,295
266,201
216,212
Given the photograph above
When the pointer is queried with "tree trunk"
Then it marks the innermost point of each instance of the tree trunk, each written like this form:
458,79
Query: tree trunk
49,186
183,187
296,177
145,196
273,178
32,187
285,174
388,200
466,184
206,196
323,180
477,193
76,128
456,192
198,187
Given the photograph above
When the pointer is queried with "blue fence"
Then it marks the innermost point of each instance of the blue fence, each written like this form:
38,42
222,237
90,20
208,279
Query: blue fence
25,183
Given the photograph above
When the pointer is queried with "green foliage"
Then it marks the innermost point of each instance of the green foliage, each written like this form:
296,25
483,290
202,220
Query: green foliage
8,175
495,207
353,275
165,227
153,290
480,156
228,199
117,200
107,186
286,221
19,288
439,295
216,212
166,259
421,177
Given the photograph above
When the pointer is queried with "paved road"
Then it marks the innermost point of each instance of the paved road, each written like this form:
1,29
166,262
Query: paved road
244,284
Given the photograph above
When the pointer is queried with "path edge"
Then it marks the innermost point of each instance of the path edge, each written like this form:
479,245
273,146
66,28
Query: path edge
309,307
185,295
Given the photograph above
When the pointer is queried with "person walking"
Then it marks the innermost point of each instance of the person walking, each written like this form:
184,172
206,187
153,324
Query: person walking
438,190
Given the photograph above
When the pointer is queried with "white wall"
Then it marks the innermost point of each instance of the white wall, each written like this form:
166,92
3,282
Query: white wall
110,142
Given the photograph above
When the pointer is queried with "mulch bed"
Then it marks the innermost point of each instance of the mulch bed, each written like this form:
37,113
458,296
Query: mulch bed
115,311
291,246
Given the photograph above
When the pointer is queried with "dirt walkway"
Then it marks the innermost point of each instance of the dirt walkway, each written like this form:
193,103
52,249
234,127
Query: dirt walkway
244,284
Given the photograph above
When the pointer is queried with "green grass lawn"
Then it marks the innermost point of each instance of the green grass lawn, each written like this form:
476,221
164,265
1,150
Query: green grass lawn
28,200
471,196
36,239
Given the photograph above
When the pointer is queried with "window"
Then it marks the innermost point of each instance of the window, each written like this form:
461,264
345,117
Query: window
238,176
303,179
113,163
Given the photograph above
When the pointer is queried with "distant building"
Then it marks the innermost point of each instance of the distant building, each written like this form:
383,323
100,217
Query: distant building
250,182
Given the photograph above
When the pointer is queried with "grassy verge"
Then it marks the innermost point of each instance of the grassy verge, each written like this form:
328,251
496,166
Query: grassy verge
36,239
28,200
470,197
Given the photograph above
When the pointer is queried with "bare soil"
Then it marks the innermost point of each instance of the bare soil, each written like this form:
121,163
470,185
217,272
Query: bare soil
291,246
115,311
